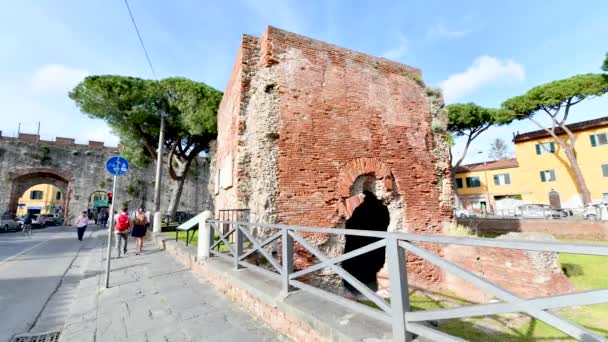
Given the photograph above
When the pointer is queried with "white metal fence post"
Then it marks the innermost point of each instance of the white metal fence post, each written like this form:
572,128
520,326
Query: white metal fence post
400,303
287,258
238,245
204,235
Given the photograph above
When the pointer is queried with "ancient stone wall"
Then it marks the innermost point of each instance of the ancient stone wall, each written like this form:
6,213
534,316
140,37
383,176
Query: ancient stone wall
317,124
525,273
563,229
79,170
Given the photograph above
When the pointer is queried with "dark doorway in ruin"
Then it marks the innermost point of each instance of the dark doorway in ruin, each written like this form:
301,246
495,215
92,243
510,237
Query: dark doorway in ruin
369,215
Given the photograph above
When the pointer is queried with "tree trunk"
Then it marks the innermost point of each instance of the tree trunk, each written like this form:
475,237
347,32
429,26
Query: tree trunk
176,196
580,180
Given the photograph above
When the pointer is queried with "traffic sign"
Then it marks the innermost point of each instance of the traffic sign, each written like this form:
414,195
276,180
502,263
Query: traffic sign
117,166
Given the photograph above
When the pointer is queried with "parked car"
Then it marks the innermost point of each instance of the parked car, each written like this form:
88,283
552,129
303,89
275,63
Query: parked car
39,221
9,223
540,211
50,220
596,211
463,213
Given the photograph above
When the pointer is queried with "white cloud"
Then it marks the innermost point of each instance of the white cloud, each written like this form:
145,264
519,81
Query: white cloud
439,30
485,71
399,51
57,78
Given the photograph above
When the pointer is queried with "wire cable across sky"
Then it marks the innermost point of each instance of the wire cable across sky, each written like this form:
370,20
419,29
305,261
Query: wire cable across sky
141,40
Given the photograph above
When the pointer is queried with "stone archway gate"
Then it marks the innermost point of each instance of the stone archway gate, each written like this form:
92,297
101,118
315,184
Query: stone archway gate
79,169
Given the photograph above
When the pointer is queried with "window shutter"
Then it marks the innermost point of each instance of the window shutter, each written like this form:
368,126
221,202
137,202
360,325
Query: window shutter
592,138
552,172
605,170
507,178
542,176
538,149
496,180
552,144
468,182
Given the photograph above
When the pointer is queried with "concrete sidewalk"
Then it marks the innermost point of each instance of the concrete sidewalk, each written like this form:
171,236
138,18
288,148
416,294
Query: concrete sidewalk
153,298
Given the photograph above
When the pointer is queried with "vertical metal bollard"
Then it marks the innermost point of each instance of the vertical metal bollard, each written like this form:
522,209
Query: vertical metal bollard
400,302
287,258
238,246
205,238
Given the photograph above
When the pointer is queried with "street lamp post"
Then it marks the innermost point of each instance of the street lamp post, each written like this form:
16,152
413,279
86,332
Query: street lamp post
159,162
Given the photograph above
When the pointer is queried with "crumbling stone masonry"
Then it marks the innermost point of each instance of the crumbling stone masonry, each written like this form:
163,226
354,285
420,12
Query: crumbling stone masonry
79,170
305,127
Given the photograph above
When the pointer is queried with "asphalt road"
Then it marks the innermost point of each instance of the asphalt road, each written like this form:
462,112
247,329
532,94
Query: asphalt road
38,276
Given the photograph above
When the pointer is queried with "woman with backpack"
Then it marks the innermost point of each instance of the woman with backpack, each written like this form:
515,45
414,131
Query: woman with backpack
140,224
122,225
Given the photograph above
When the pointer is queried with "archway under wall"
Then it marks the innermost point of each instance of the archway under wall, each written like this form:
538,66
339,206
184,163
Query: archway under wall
28,178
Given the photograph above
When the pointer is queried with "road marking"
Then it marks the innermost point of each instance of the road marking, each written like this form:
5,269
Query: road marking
22,252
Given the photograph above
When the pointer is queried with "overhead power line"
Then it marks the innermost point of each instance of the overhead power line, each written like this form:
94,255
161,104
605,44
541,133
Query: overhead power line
141,40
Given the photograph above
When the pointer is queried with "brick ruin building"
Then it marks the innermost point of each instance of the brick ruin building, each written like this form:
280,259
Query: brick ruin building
306,127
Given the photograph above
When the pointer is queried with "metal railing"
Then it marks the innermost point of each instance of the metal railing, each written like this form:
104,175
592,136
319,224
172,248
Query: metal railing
397,312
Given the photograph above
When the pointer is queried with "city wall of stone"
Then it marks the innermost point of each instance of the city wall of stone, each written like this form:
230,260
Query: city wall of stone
79,170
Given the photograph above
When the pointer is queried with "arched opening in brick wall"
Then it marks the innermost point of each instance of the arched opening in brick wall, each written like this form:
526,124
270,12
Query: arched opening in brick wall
26,179
371,214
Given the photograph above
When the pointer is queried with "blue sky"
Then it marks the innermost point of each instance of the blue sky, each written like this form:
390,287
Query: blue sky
477,51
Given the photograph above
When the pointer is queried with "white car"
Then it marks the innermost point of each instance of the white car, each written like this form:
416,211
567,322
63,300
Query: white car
9,223
463,213
596,211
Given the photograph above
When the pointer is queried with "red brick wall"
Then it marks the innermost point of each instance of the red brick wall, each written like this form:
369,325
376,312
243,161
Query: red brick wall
230,118
509,268
338,105
564,229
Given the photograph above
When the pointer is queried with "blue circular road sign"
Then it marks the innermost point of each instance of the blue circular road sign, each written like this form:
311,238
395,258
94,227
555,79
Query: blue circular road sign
117,166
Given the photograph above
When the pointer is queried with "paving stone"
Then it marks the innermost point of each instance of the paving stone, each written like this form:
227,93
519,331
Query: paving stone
153,298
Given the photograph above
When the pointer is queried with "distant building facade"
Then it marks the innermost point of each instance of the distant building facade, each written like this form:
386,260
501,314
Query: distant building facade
41,198
541,172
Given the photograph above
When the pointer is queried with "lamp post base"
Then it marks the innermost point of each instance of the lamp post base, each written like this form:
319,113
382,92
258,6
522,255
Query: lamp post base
156,223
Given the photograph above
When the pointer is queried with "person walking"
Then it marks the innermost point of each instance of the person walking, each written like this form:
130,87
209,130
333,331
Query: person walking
122,225
102,218
81,223
140,225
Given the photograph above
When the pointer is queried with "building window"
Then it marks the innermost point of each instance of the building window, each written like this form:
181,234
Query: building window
547,176
473,182
605,170
599,139
459,183
544,148
502,179
36,195
605,197
58,196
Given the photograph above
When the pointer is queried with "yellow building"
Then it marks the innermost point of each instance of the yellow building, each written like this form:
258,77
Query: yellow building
492,185
541,173
41,198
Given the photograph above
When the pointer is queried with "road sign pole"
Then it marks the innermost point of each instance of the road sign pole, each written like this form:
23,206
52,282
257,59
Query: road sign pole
110,231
